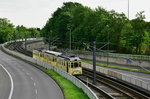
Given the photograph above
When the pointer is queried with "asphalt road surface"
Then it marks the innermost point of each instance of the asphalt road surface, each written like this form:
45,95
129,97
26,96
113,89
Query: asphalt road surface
5,84
28,81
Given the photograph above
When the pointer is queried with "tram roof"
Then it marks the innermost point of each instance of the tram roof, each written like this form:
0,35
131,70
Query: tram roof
69,58
53,53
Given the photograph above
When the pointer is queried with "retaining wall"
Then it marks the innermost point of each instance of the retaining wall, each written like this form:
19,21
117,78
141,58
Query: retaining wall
118,75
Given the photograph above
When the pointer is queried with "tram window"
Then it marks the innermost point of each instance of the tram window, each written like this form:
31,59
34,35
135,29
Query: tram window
71,65
75,64
79,64
42,55
64,63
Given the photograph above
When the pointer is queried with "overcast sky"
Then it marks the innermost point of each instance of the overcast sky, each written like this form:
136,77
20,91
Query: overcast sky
35,13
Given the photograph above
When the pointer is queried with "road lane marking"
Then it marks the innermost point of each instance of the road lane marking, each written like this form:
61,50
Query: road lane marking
35,91
34,84
27,73
12,83
31,78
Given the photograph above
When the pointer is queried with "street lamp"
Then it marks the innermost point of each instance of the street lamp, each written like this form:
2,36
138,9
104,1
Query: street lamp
128,9
69,38
26,41
94,63
107,46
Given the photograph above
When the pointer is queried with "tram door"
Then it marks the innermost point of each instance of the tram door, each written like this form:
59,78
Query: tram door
67,67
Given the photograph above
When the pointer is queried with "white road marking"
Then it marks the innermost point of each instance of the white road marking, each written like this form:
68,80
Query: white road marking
31,78
12,83
34,84
35,91
27,73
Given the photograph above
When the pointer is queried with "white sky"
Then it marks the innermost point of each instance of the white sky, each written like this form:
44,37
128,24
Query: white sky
35,13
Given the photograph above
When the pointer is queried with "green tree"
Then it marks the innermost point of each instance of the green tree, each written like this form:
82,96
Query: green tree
6,29
126,38
88,25
139,31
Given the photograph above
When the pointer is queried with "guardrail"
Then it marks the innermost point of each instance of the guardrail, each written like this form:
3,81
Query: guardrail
77,82
130,79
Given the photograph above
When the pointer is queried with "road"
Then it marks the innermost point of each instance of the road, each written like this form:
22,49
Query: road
28,81
5,84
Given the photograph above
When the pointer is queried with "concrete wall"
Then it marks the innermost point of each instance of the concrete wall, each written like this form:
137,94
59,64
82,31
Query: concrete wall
118,60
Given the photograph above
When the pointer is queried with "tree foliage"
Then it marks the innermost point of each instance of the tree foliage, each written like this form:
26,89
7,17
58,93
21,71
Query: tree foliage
9,32
88,25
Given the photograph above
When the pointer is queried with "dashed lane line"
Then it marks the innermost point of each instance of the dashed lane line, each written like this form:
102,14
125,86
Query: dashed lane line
31,78
36,91
34,84
27,73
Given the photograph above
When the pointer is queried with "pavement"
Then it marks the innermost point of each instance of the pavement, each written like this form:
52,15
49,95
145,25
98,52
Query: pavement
28,81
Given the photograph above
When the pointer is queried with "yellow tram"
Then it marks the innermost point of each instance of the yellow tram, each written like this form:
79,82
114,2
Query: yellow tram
70,64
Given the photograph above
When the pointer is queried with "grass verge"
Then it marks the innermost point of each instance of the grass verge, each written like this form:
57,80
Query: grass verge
118,67
70,90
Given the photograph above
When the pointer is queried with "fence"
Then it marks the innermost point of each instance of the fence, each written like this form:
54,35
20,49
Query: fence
77,82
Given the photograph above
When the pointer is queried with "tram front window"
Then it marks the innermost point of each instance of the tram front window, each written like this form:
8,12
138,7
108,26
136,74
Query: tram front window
75,65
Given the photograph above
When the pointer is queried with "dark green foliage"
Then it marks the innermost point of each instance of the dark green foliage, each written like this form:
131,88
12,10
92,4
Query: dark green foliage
6,29
9,32
87,25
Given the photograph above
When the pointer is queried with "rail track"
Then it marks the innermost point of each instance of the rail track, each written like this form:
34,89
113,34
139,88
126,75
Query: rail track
110,88
17,46
106,87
